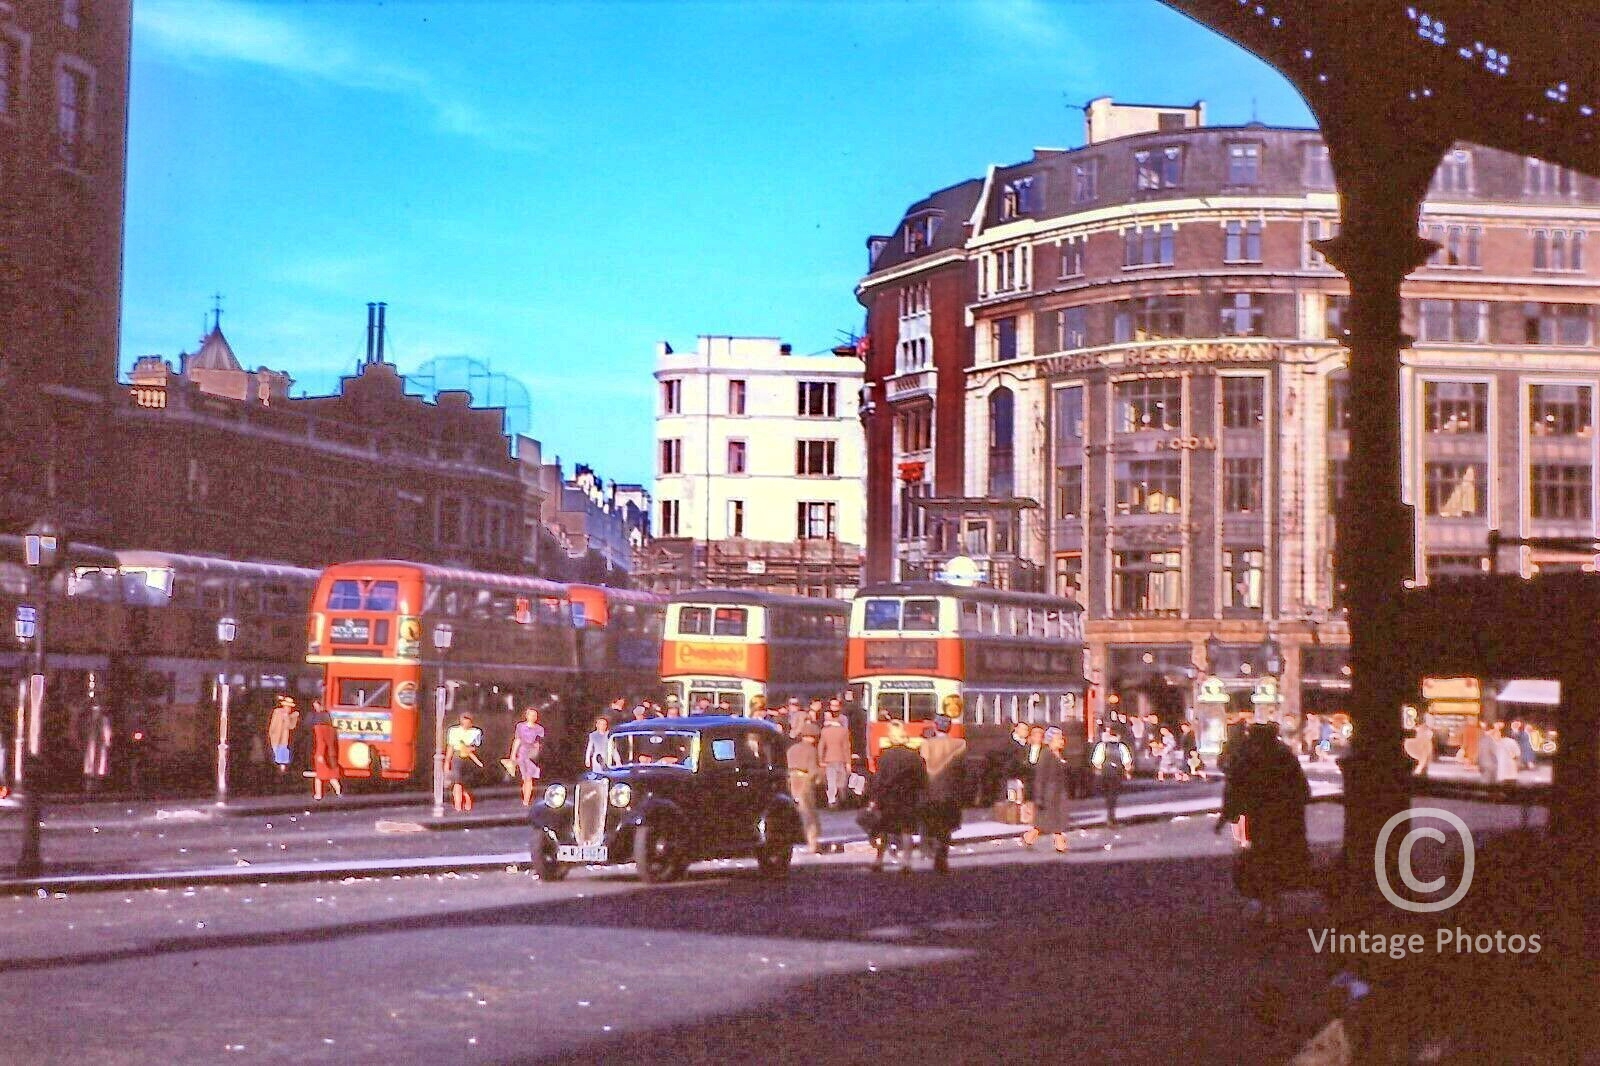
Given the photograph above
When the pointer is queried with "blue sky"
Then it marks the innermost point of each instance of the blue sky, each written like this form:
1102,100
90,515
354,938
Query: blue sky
555,187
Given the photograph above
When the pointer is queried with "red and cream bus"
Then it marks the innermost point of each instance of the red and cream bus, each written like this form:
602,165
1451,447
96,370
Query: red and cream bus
371,628
1006,656
729,645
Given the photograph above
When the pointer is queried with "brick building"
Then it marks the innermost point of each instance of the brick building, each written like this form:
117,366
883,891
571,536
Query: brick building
63,131
1148,386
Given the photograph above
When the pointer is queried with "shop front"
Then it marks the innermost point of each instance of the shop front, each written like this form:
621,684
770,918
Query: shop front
1145,679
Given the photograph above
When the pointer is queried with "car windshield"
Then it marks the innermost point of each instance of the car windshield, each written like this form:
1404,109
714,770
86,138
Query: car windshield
645,749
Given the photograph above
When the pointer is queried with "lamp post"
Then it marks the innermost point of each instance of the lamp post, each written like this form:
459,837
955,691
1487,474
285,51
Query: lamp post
442,637
227,630
44,549
26,628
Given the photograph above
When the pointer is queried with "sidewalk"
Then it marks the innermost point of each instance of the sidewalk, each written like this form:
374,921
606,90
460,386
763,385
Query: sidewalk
840,833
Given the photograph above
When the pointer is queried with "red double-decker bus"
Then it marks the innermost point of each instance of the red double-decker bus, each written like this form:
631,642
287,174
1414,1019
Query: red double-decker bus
987,657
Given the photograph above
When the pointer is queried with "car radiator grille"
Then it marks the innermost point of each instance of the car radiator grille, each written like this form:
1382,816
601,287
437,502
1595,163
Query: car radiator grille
589,813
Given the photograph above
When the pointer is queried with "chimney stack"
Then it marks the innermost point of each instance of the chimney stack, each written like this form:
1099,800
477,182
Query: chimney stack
381,307
372,319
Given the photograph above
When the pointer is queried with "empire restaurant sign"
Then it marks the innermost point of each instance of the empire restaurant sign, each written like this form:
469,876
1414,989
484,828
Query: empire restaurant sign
1159,355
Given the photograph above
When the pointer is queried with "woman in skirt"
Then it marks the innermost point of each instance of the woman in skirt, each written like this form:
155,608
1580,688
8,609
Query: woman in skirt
462,764
1051,814
324,751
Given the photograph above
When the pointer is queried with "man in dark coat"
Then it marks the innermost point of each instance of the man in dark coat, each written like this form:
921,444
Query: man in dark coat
1075,753
896,796
946,757
1267,789
1233,741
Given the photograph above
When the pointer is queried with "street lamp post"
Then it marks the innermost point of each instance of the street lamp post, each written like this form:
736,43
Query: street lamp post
26,629
442,637
227,630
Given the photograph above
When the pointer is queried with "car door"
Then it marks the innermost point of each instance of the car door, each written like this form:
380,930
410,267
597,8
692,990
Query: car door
759,779
721,794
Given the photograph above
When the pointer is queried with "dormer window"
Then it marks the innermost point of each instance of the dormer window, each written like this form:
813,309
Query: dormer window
1159,168
1017,199
921,231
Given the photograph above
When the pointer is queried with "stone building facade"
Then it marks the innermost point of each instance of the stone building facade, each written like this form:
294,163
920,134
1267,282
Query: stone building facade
1154,409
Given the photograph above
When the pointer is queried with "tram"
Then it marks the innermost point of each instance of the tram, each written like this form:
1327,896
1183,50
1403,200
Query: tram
731,645
987,657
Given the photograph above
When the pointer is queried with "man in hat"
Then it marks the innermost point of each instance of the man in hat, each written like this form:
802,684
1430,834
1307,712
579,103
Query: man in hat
280,733
805,770
834,749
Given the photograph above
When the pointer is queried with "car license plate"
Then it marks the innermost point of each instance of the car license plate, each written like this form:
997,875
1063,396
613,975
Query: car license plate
577,853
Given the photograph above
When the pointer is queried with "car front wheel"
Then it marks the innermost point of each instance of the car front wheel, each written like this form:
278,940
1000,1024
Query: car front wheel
545,866
773,860
657,855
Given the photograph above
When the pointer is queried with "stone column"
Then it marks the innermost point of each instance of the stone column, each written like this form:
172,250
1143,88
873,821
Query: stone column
1381,187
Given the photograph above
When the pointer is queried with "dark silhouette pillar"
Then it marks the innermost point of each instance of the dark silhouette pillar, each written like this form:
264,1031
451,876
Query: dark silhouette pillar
1382,181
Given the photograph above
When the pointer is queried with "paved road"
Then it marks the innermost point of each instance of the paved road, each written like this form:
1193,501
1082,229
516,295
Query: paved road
1130,949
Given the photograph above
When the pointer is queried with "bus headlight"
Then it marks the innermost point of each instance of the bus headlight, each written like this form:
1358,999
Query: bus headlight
621,795
358,756
555,796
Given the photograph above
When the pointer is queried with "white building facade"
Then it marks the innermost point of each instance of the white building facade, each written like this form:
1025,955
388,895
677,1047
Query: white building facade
754,442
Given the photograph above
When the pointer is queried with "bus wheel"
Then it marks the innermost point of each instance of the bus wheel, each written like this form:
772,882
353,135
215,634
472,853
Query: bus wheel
773,860
658,856
545,866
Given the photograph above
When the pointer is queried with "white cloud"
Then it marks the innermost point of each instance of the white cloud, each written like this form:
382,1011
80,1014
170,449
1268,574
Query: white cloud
1032,29
226,31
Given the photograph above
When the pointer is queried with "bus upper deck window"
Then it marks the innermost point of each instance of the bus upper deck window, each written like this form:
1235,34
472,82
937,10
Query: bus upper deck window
730,622
383,595
882,614
921,615
694,621
344,596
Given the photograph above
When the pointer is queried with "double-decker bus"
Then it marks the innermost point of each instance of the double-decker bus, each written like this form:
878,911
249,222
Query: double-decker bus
372,628
729,645
1007,656
619,641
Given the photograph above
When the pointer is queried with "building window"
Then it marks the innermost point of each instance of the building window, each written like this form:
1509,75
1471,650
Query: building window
450,516
1002,411
815,458
1149,486
1338,402
1146,581
1241,486
1244,163
1072,329
1149,318
670,513
672,456
1243,241
1243,315
1149,245
672,397
818,399
1564,324
1072,257
1316,170
1005,339
72,113
10,73
736,518
1085,181
1443,569
1319,229
1243,574
921,231
1557,249
1018,198
1455,172
1452,321
1546,179
1158,168
912,355
1455,490
1459,246
736,397
916,429
1560,410
1069,576
1335,310
1008,270
1561,490
1244,402
816,521
738,457
913,521
1069,414
1069,491
1455,406
1149,405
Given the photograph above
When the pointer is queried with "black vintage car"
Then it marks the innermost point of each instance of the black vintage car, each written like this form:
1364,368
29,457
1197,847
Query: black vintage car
675,791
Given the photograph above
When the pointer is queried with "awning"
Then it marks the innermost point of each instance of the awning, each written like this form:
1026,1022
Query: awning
1536,693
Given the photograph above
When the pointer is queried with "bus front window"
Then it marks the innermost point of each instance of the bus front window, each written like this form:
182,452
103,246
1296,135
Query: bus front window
730,622
920,706
881,615
891,706
921,615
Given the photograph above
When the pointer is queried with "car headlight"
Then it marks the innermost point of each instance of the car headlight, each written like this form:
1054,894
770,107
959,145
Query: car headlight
555,796
621,795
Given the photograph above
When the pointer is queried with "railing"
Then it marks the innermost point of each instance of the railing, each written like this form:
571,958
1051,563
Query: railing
911,384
